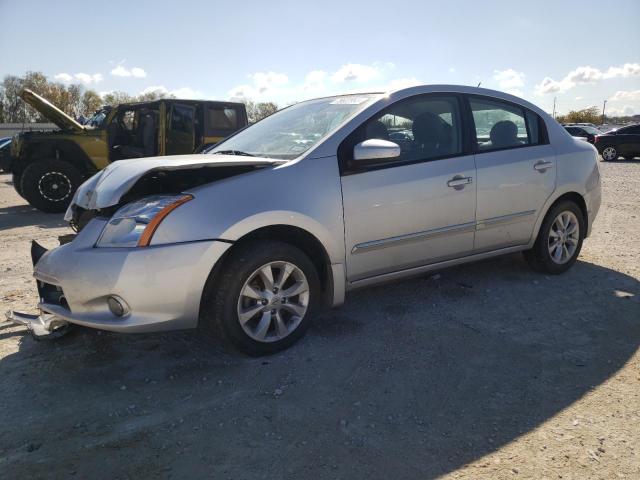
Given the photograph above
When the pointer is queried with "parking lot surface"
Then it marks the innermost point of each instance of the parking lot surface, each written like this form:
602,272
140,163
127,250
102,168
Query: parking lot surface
486,370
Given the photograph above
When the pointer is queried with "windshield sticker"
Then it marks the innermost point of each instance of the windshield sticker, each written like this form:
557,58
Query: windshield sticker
349,100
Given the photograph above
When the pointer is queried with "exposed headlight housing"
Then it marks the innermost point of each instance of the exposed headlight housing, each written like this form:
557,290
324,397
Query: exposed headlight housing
134,224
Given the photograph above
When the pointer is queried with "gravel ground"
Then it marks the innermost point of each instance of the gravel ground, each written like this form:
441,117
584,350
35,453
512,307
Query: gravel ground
481,371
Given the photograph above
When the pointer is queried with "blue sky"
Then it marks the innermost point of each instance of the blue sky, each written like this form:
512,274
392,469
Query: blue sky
289,51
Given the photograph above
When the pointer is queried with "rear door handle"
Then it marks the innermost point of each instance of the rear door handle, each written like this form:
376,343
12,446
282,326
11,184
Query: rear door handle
458,182
543,166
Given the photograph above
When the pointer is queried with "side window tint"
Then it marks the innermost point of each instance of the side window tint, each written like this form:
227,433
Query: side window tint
181,119
499,125
533,123
423,127
223,118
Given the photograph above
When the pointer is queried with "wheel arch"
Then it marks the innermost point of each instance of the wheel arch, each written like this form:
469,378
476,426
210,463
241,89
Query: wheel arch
300,238
571,195
64,150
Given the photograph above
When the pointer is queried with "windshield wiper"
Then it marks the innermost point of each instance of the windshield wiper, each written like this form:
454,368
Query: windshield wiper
233,152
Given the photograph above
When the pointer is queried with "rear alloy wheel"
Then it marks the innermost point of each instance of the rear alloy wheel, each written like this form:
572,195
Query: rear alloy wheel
49,185
263,298
559,239
609,154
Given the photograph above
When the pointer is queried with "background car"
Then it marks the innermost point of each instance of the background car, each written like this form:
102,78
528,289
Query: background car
48,167
583,131
623,142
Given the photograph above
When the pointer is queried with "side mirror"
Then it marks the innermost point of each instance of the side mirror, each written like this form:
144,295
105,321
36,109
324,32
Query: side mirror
375,149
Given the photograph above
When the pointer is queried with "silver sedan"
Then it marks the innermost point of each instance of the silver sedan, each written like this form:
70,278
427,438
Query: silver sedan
250,240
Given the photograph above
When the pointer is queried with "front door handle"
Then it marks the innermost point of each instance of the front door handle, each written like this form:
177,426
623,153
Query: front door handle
458,182
543,166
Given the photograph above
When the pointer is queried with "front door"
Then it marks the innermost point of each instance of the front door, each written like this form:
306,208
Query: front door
180,137
516,170
418,208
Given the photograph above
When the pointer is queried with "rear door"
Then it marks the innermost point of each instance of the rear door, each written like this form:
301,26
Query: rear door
180,129
516,170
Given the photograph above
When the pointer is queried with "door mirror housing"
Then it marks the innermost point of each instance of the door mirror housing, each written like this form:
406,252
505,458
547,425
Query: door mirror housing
375,150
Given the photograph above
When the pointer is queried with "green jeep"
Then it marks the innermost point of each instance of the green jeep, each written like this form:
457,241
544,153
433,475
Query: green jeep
48,167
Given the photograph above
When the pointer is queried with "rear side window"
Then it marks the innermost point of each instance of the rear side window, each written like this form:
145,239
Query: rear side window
501,125
220,120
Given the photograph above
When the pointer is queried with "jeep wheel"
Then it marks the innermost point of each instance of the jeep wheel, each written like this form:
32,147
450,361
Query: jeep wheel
49,185
16,179
263,299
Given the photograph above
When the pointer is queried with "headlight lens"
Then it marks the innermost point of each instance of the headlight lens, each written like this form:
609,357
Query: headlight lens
134,224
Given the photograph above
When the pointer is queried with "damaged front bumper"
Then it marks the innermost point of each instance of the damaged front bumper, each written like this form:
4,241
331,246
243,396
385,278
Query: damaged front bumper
46,325
160,286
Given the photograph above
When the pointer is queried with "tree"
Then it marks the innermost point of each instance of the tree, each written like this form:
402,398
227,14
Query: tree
91,102
116,98
260,110
587,115
152,95
71,99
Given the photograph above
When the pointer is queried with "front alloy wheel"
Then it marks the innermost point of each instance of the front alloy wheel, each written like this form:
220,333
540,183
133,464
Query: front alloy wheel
263,298
273,301
610,153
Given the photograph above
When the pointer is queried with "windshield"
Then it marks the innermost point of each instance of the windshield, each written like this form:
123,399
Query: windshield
289,133
96,119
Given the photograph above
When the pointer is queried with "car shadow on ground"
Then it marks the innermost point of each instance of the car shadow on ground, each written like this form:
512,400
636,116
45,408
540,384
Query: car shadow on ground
407,380
622,160
27,216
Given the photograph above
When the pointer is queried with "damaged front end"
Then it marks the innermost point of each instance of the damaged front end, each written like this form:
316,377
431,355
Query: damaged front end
46,325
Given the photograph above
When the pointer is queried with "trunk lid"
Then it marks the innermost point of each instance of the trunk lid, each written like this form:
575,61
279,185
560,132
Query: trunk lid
50,111
108,186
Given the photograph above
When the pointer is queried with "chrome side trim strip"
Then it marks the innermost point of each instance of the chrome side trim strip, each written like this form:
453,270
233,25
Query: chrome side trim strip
409,272
413,237
495,221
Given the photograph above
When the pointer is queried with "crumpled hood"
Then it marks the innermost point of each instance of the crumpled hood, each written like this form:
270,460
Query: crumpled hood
106,187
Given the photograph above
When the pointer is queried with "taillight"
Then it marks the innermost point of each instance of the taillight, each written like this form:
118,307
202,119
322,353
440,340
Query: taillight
597,139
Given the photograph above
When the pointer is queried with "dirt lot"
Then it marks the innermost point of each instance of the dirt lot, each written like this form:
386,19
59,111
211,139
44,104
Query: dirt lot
482,371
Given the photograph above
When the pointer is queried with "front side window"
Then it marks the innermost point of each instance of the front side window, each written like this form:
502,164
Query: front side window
502,125
425,128
292,131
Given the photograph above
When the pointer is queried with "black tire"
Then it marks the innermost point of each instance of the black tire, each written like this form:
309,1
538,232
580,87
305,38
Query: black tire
539,257
16,179
219,312
49,185
610,153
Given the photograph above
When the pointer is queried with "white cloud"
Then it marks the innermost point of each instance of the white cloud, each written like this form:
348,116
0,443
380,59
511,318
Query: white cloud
85,78
625,95
63,77
509,80
355,72
265,85
315,80
121,71
452,70
626,110
586,75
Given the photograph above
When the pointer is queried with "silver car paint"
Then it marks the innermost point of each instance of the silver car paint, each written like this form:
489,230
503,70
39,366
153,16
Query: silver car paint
425,223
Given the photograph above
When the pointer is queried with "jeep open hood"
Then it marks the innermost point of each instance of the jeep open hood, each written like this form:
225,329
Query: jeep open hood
108,186
50,111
